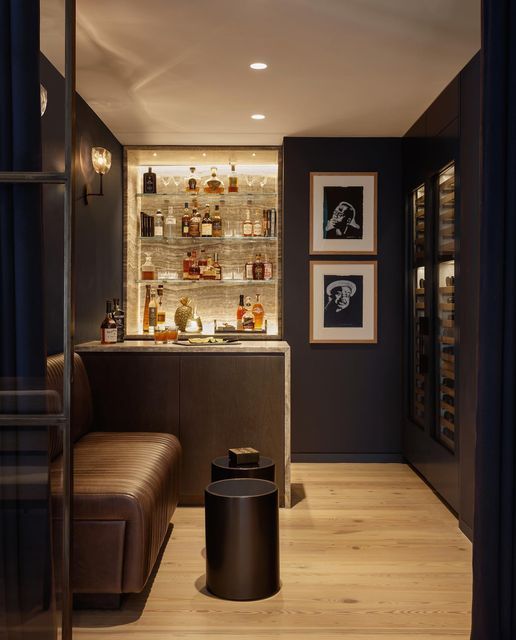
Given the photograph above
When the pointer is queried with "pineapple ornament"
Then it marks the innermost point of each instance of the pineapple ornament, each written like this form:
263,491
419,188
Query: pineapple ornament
183,313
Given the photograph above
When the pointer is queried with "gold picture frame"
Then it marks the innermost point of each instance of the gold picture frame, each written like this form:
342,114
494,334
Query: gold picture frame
354,283
358,206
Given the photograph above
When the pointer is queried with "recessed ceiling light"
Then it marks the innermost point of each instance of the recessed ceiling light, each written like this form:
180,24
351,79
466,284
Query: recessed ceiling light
258,116
258,65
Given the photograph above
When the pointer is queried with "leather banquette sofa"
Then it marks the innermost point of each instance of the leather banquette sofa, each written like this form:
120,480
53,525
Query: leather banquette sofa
126,488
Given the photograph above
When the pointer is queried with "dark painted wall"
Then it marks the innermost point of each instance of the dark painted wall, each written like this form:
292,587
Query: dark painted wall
98,238
346,399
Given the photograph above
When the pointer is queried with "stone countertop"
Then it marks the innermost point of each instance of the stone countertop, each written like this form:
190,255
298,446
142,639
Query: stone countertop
148,346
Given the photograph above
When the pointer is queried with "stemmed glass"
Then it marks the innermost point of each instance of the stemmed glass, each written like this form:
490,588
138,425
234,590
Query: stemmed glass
250,181
165,181
178,180
263,182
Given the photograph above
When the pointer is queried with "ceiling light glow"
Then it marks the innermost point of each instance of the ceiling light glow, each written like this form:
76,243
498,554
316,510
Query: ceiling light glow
258,116
258,65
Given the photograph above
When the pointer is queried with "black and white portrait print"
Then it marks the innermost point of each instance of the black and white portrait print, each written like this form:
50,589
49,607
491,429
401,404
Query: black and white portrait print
343,301
343,213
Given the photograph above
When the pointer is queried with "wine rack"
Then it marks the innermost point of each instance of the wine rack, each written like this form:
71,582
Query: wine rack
419,311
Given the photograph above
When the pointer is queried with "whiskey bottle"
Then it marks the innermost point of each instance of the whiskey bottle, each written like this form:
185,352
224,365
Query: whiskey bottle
248,318
192,185
240,312
161,316
258,226
148,269
187,263
108,328
158,224
247,225
119,318
258,313
213,184
233,180
267,269
195,224
203,263
153,312
217,268
249,270
170,223
207,223
217,223
146,309
185,222
258,268
149,182
194,271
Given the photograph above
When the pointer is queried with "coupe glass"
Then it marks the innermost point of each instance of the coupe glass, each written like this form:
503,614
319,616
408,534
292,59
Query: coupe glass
165,181
178,182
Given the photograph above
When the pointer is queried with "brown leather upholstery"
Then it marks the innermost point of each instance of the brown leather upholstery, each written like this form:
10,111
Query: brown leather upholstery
126,488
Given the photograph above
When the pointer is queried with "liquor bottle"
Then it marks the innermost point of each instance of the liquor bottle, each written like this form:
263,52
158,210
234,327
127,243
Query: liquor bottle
185,222
217,223
258,268
108,328
153,312
119,318
146,309
258,226
187,263
192,186
247,225
203,263
195,224
207,223
149,181
259,313
213,184
233,180
194,272
267,269
161,316
170,223
248,318
249,270
217,267
158,224
266,223
240,312
148,269
274,223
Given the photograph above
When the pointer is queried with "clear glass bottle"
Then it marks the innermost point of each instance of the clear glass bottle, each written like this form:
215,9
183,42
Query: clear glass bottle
207,223
158,224
170,223
258,314
217,223
268,273
192,183
247,225
233,180
213,184
258,225
149,181
148,269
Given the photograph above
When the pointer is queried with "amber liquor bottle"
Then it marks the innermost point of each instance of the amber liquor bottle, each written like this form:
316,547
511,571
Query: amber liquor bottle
248,317
161,316
149,181
258,313
216,267
233,180
192,185
240,312
207,224
108,330
195,224
217,223
146,309
258,268
153,313
185,222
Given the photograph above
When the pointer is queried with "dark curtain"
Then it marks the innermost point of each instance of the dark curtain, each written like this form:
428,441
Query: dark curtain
25,550
494,550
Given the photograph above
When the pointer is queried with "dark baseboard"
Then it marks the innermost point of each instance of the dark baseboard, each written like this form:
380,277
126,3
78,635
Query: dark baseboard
347,457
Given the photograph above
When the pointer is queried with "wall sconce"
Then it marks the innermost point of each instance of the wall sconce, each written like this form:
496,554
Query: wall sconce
101,160
43,99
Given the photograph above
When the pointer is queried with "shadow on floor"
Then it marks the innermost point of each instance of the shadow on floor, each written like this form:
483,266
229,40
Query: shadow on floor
298,493
132,606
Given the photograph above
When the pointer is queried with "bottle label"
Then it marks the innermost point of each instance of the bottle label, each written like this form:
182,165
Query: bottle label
207,229
192,184
267,271
194,229
109,335
249,271
152,316
248,322
186,230
248,229
258,228
158,231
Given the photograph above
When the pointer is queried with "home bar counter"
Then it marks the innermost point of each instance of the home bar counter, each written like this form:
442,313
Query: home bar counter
212,397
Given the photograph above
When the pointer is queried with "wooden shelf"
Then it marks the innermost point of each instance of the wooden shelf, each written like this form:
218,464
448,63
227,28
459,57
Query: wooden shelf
420,292
420,306
448,407
447,340
448,248
447,424
447,357
447,197
448,290
447,324
447,306
448,216
447,391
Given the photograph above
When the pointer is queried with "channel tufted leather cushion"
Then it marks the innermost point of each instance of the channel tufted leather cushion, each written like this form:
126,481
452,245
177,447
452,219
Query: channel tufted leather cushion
126,488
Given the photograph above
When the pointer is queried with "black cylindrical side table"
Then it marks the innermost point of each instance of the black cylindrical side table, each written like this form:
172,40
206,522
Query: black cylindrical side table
242,539
222,470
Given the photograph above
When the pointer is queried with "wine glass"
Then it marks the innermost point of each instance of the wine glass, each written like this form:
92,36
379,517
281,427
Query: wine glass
263,182
178,181
165,181
250,181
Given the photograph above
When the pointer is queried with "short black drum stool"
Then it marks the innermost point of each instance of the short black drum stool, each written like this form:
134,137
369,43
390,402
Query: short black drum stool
242,539
222,470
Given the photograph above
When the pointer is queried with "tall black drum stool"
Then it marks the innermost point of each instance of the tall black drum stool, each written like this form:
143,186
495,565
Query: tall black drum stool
222,470
242,539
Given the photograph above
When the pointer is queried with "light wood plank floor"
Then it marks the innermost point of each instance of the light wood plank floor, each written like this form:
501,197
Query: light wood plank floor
368,552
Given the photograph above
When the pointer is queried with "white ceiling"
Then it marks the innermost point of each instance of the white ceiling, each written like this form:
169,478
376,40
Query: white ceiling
177,71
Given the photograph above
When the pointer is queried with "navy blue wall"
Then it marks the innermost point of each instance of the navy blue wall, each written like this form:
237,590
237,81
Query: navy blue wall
346,399
98,226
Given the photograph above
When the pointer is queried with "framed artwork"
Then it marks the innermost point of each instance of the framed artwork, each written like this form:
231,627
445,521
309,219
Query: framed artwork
343,302
343,213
